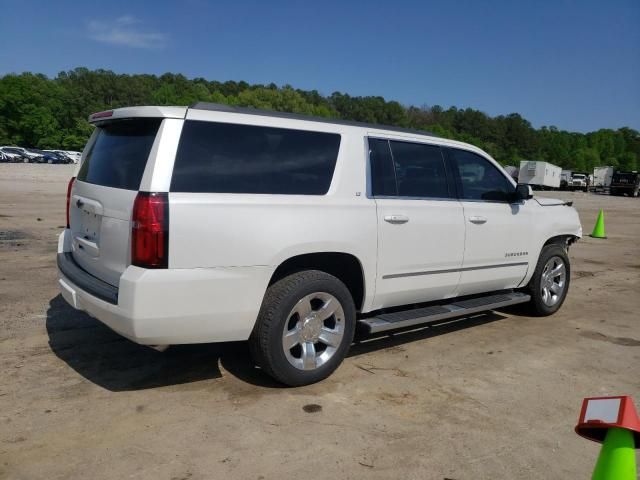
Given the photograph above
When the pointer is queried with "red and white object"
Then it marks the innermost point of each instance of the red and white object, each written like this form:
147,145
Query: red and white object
598,414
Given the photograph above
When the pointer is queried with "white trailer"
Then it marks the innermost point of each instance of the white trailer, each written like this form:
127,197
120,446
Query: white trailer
539,174
602,177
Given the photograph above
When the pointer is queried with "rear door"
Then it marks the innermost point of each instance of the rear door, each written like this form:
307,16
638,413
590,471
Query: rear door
420,223
104,192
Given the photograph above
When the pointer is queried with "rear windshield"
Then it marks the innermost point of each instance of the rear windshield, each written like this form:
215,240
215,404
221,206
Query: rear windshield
119,153
230,158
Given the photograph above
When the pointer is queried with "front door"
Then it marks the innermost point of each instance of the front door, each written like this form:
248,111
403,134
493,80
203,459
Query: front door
420,224
498,232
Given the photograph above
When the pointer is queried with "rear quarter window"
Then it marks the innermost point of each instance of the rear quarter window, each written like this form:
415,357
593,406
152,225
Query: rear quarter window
232,158
118,156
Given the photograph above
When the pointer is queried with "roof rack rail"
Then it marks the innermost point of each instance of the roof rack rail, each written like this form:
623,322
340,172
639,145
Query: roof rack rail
220,107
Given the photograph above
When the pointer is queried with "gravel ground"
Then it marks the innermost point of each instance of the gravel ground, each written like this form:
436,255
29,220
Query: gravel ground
493,396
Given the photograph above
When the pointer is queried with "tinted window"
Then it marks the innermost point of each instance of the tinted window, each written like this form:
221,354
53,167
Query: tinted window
479,178
420,170
383,178
119,154
229,158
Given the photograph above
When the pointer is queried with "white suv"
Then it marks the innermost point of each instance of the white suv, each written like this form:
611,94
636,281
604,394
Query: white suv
213,223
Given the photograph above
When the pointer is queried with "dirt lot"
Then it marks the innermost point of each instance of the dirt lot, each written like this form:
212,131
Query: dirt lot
494,396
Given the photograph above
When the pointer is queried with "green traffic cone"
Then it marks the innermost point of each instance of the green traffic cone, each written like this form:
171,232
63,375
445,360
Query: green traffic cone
598,229
617,459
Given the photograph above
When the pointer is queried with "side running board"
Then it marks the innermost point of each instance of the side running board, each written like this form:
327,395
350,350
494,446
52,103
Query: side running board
460,308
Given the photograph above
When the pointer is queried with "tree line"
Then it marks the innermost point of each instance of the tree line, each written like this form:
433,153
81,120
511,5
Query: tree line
43,112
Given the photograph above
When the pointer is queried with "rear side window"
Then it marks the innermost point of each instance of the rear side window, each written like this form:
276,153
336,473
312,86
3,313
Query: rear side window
119,154
231,158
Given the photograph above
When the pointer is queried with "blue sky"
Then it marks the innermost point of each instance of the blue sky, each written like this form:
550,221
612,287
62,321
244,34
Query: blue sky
573,64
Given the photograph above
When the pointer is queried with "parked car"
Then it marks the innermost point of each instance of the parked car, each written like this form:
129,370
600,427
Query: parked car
74,156
40,156
56,157
30,155
61,156
625,183
215,223
14,154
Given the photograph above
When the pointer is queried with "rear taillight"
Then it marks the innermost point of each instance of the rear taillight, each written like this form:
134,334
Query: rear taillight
69,187
150,230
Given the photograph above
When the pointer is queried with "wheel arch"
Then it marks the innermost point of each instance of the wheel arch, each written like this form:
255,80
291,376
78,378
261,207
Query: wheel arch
344,266
566,240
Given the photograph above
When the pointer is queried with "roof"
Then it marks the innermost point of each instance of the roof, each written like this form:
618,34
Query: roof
219,107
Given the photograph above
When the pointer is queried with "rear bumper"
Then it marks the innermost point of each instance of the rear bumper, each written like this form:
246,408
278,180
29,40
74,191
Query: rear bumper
68,267
171,306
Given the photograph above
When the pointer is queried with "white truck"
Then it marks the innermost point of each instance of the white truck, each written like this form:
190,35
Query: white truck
602,177
542,175
215,223
579,181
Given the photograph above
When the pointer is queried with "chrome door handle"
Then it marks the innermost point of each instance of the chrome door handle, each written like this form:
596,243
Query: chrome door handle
396,219
478,220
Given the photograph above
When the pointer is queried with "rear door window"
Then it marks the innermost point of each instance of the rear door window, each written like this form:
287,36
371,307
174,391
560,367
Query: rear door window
420,170
118,156
231,158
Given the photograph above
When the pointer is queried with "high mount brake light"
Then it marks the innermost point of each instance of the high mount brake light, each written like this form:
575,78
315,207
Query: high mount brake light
106,113
150,230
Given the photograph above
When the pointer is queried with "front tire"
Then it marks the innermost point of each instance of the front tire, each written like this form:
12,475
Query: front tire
549,284
304,329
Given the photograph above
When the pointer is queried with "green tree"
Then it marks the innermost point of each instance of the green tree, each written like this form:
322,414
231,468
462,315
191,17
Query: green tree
37,111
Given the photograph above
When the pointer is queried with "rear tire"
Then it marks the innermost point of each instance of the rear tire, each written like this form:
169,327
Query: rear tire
549,284
304,329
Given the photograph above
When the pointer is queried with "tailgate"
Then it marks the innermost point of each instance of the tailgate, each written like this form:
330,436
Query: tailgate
103,195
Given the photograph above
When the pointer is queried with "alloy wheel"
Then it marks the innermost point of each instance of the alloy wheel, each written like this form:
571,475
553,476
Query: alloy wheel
553,281
313,331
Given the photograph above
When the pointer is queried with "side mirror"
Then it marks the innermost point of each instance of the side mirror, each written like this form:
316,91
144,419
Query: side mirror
523,192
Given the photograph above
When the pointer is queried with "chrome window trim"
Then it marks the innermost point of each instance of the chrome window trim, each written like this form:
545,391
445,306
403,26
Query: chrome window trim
502,202
400,197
